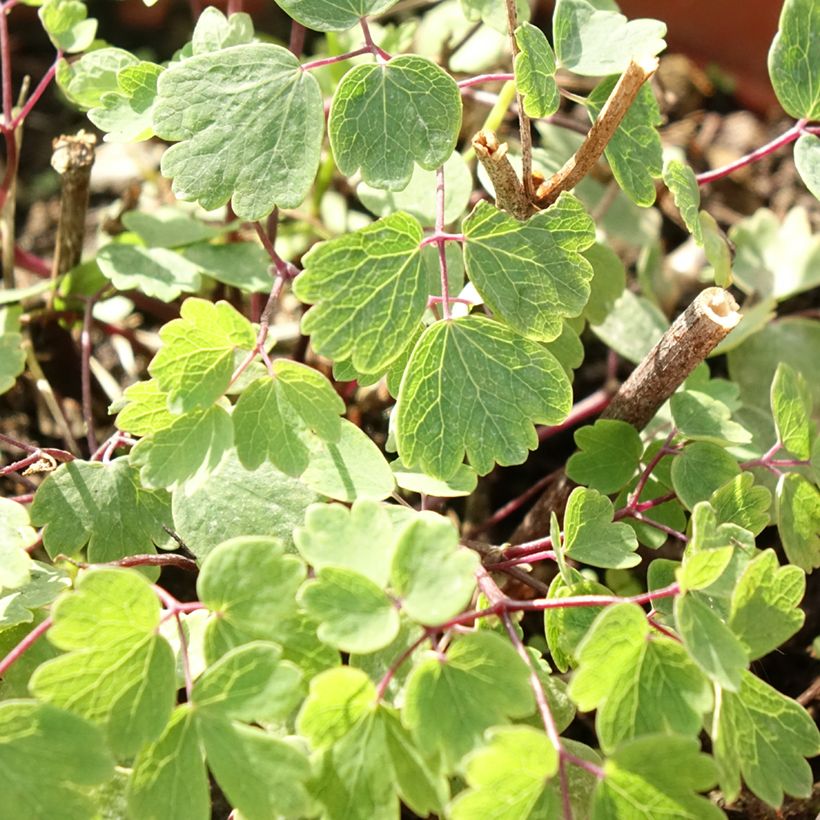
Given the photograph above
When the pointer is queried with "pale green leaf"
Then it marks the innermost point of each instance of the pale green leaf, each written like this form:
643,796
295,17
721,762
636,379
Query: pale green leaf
184,454
596,43
741,502
535,72
797,511
794,59
634,152
763,736
609,454
117,672
37,736
699,417
66,24
215,31
195,363
449,703
462,482
716,248
507,777
312,396
419,197
145,410
632,327
16,534
494,14
474,387
699,470
656,776
322,15
227,110
169,778
608,282
86,80
127,114
103,506
234,501
708,551
369,292
360,538
12,355
243,265
792,411
639,685
433,576
420,124
710,643
590,535
377,664
765,611
352,468
17,606
807,161
531,273
680,180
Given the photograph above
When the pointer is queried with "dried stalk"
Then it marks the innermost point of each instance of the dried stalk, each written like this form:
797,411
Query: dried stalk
509,192
613,112
711,316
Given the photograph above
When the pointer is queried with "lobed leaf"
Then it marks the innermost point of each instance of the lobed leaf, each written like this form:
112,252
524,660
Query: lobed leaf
797,511
699,470
535,72
66,24
792,411
699,417
609,453
127,113
741,502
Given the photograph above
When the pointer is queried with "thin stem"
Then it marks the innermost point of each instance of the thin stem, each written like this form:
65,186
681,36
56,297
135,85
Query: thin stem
440,236
525,132
397,663
85,372
485,78
532,558
653,463
309,66
769,148
442,255
24,645
379,53
234,7
5,66
36,94
650,522
297,38
20,445
183,654
591,406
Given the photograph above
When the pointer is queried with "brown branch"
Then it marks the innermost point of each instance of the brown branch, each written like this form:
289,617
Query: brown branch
693,335
509,192
613,112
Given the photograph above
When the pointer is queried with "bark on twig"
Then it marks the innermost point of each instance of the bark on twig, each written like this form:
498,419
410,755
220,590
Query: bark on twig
509,192
613,112
711,316
72,159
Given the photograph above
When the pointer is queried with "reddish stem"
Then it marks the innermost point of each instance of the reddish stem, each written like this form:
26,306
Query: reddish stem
591,406
532,558
438,237
485,78
394,667
31,263
24,645
37,93
309,66
379,53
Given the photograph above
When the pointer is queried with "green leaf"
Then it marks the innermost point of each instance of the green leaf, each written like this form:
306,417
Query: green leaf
420,125
251,583
12,355
792,411
449,703
608,282
596,43
195,363
243,265
312,396
462,482
764,736
535,72
16,534
86,80
679,178
234,501
281,771
360,538
717,250
377,664
710,643
36,735
493,14
565,627
794,59
369,292
699,417
184,454
66,25
145,410
740,502
473,386
117,672
296,634
765,604
17,606
170,227
640,685
433,576
591,537
656,776
249,683
699,470
127,114
807,161
669,513
169,778
322,15
511,771
227,110
610,452
103,506
797,511
634,153
531,273
632,327
352,468
708,551
419,197
215,31
354,614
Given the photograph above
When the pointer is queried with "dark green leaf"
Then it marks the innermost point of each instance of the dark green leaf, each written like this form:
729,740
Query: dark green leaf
700,470
609,454
680,179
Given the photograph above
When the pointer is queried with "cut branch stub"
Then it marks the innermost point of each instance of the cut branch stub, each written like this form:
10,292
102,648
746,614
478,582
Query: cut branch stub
509,192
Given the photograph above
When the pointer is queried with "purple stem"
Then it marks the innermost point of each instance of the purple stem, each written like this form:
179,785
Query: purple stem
394,667
784,139
591,406
484,78
36,94
439,236
649,468
21,647
338,59
379,53
545,555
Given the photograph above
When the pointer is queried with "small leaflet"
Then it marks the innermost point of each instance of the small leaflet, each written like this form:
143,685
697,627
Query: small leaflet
535,72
